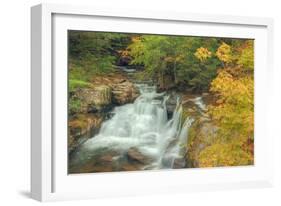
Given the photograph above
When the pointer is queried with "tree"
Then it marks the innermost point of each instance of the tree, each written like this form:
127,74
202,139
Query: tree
184,58
92,52
233,111
202,54
224,53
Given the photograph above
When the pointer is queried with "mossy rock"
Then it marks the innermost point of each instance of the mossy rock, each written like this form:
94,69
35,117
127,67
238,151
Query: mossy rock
201,135
94,99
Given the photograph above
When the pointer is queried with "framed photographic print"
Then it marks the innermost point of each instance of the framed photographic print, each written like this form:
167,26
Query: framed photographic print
137,102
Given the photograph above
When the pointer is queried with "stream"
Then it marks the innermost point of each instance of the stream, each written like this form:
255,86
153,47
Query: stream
138,136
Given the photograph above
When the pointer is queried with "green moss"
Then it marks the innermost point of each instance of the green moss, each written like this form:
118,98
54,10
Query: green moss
75,83
74,105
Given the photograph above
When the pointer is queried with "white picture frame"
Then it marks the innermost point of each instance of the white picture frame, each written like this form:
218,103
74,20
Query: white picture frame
49,178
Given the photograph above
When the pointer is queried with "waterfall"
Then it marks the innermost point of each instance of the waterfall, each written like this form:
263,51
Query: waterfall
143,125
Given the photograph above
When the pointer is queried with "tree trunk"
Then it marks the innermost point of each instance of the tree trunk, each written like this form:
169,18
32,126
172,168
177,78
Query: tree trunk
175,72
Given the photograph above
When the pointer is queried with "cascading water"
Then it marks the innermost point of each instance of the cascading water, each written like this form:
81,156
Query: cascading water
142,125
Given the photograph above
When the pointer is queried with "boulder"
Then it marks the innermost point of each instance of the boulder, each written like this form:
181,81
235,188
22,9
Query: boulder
124,60
131,167
101,95
171,104
124,92
203,134
94,99
179,163
107,158
134,155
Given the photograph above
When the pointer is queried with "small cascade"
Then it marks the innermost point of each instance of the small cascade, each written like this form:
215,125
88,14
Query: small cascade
199,102
142,125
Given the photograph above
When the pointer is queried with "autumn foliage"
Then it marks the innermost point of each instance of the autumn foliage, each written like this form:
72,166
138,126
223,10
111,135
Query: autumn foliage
233,112
202,54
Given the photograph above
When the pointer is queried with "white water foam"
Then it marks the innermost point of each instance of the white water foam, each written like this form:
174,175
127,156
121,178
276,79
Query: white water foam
143,125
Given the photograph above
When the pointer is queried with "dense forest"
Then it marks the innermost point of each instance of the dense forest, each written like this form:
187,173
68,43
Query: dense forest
107,66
